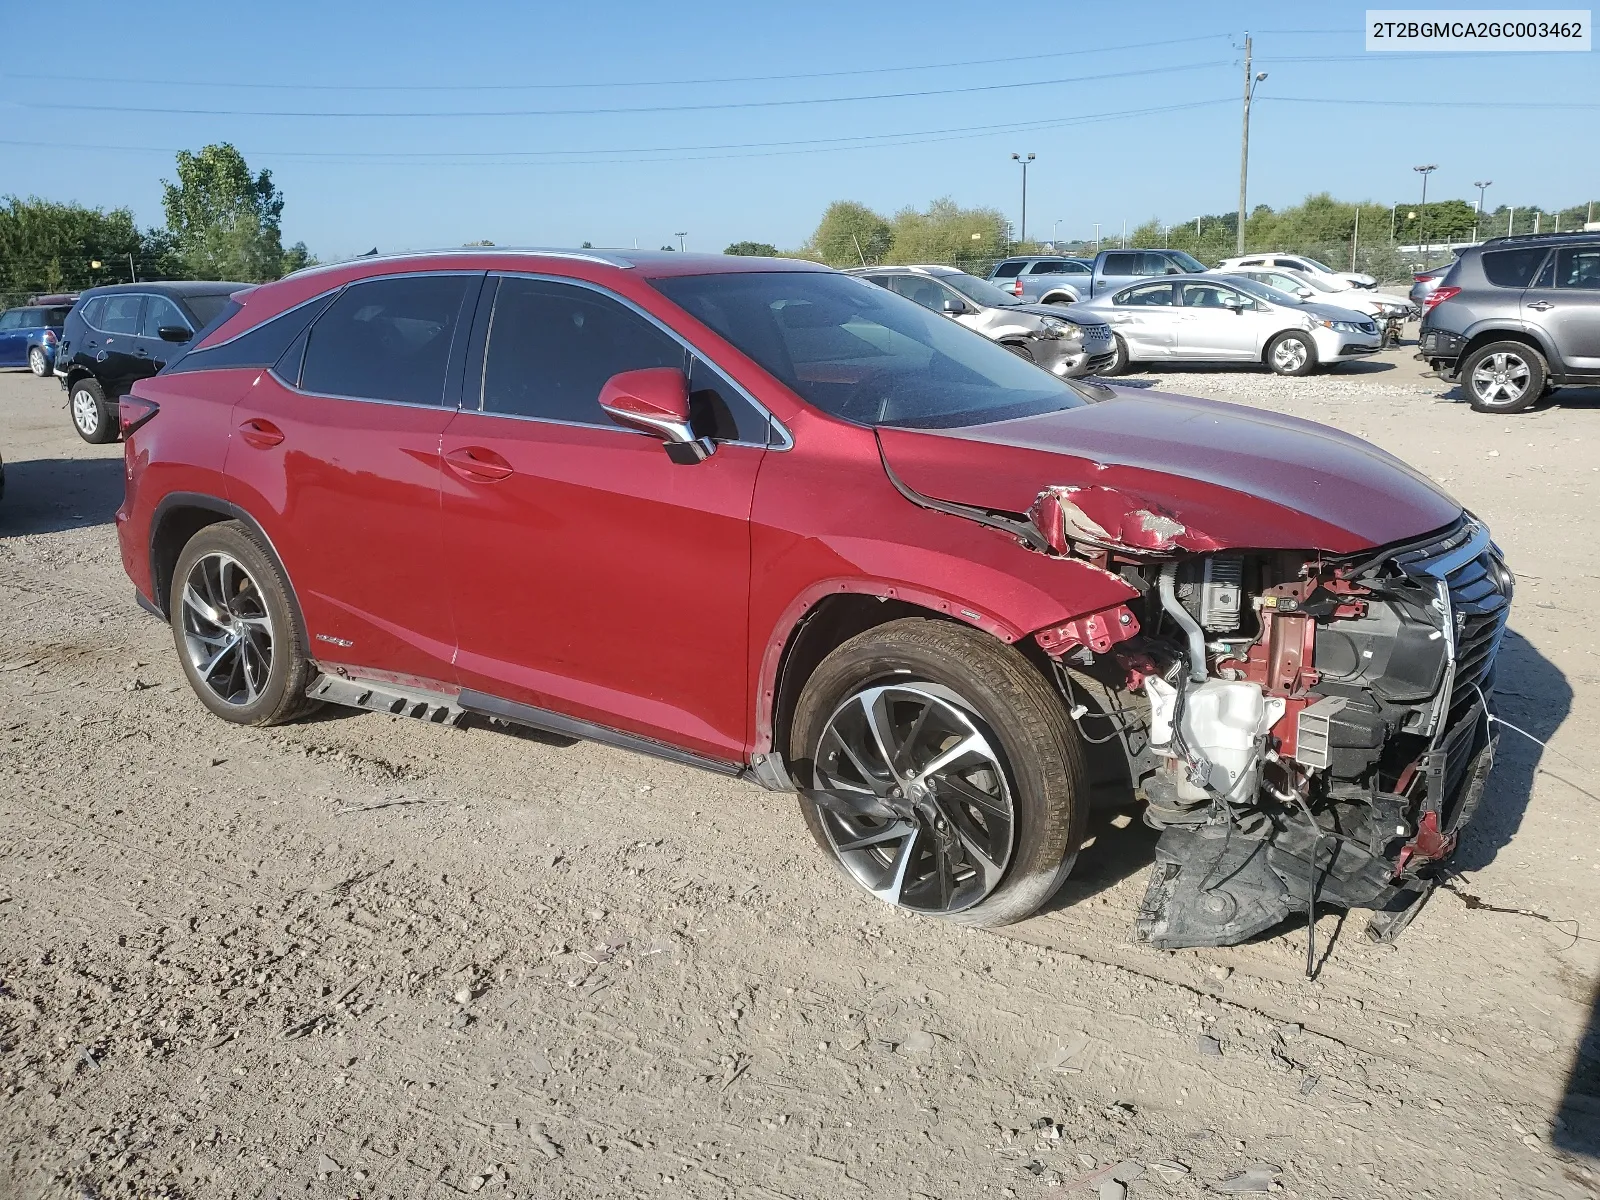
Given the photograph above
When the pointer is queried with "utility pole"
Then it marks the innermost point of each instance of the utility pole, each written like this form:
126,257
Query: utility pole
1511,221
1250,82
680,237
1355,237
1477,222
1123,244
1425,171
133,274
1097,237
1023,236
1394,211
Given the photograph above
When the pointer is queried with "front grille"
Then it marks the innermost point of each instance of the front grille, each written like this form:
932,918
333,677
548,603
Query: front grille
1474,605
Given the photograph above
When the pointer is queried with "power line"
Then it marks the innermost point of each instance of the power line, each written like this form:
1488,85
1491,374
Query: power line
511,155
654,108
615,83
756,149
1408,102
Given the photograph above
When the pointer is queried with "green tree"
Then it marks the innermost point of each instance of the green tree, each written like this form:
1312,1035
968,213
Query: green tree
848,234
947,233
753,249
46,246
224,220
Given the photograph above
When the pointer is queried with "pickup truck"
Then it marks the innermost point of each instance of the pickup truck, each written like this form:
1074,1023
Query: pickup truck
1115,269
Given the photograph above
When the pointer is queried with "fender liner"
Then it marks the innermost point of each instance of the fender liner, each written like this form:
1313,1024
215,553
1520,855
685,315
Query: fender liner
228,511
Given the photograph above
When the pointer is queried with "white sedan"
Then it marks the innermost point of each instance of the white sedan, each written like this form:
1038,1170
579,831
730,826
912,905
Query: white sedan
1341,280
1319,290
1193,318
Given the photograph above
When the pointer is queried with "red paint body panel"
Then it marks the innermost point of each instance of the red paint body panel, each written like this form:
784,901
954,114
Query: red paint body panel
1238,476
602,580
576,568
350,500
181,449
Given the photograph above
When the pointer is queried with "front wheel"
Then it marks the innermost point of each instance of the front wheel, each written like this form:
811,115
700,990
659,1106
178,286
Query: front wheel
1292,354
1504,377
945,775
95,423
37,363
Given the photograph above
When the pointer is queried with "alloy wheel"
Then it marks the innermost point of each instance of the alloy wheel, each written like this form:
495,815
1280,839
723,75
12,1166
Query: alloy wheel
86,413
1289,354
36,362
915,797
1500,378
227,630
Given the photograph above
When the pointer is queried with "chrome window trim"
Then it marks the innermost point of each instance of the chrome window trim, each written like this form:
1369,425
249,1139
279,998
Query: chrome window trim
773,424
293,308
113,332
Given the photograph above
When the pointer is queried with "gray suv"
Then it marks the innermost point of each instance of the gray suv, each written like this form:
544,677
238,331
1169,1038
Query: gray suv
1515,317
1044,278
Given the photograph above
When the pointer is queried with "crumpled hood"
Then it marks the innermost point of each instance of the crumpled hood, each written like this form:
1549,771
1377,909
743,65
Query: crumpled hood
1159,473
1076,313
1330,310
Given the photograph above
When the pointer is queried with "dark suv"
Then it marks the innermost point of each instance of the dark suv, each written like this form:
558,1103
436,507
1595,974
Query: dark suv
115,336
1516,317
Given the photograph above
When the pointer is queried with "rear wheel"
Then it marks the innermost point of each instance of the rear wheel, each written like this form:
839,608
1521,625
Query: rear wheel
236,632
95,422
945,776
1119,357
1504,377
37,363
1292,354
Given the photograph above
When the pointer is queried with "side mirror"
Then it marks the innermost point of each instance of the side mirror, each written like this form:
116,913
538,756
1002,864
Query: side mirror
953,307
174,333
1304,293
1175,271
1235,304
656,401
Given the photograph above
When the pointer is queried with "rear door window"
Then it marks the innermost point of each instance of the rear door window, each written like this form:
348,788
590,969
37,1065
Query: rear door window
1008,270
1121,263
552,346
1052,266
920,289
121,314
387,339
1578,267
1513,268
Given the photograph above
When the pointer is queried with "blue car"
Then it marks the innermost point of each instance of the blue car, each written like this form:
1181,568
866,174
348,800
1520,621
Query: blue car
29,336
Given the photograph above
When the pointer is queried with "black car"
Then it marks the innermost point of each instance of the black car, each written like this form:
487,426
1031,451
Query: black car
118,335
1516,317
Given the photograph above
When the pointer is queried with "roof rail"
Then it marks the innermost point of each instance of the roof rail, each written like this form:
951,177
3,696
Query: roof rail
1534,237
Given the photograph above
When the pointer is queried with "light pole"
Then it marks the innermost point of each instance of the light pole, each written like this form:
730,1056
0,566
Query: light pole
1250,82
1477,221
1055,233
680,237
1024,160
1425,171
1097,237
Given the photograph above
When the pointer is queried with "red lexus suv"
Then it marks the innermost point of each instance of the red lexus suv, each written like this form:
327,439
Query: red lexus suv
763,518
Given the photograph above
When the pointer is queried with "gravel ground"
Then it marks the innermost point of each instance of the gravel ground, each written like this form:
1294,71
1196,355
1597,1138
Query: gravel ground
364,957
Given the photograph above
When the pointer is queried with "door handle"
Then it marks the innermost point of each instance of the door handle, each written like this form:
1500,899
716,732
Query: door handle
1541,306
478,464
263,435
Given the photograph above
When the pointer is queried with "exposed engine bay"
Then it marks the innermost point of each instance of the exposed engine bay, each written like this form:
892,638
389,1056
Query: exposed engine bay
1303,728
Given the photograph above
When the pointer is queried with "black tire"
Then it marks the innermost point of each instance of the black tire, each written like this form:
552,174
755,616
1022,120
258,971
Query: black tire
1504,377
271,696
1019,350
91,416
36,361
1119,361
1292,354
1016,710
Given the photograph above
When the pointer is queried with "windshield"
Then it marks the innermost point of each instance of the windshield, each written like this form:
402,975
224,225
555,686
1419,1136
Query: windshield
860,352
1261,291
980,291
1185,261
1321,266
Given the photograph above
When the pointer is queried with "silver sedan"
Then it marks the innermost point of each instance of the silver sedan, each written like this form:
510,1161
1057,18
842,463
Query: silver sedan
1211,319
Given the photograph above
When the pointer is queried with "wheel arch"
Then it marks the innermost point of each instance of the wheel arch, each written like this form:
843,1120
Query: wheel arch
1061,295
1480,338
180,516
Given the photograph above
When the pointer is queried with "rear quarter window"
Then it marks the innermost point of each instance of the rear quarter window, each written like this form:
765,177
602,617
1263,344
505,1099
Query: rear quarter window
1513,268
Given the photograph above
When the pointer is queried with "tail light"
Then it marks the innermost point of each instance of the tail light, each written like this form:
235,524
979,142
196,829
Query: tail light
1422,278
1016,286
49,337
134,411
1440,295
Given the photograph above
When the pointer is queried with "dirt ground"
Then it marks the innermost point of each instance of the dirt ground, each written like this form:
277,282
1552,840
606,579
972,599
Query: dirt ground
366,957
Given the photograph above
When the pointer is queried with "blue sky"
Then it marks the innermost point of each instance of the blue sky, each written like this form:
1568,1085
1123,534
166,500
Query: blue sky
765,170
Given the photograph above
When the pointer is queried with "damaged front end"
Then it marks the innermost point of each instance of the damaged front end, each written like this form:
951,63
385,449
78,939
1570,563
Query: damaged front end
1303,727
